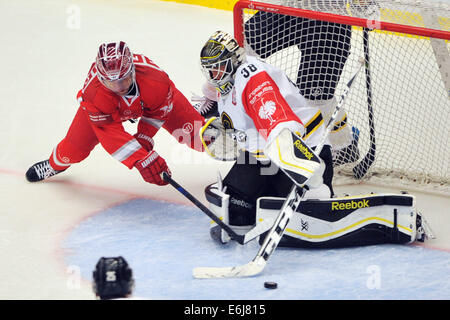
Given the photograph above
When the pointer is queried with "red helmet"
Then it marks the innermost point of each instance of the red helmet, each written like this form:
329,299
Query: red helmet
114,61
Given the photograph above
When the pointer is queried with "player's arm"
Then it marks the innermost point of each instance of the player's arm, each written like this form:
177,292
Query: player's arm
126,148
281,127
182,121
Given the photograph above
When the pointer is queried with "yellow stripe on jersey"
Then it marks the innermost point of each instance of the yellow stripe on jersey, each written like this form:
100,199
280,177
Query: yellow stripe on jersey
340,124
315,122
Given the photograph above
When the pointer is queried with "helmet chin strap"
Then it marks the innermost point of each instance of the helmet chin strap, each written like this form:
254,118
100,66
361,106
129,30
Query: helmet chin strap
132,89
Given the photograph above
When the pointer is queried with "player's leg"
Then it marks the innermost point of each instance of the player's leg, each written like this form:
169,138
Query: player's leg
75,147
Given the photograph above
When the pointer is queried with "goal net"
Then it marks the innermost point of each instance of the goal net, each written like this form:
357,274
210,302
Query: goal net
398,109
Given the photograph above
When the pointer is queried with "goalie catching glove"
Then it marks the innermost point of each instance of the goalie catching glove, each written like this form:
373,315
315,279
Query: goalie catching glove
219,143
298,161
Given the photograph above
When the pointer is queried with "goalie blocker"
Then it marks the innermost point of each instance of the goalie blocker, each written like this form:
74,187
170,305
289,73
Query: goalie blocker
335,222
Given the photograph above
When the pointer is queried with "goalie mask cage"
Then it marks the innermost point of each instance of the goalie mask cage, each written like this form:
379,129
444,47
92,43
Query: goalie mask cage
400,105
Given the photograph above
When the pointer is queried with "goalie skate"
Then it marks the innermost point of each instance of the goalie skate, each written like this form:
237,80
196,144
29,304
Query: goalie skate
423,229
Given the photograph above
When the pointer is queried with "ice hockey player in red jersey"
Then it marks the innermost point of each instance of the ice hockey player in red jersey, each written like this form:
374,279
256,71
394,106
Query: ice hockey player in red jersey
265,124
122,86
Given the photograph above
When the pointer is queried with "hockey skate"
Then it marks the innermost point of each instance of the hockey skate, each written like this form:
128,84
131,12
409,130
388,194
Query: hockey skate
40,171
348,154
423,229
207,108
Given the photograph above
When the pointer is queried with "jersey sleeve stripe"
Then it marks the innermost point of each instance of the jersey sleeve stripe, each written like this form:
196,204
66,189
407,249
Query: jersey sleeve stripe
340,124
153,122
126,150
315,122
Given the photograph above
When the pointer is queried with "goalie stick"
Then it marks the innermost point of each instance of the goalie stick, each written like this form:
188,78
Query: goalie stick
241,239
291,203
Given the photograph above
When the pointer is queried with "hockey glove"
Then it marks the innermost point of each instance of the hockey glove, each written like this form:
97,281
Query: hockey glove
219,143
152,167
145,141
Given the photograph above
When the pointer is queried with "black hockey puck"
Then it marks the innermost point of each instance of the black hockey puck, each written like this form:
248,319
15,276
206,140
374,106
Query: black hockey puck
270,285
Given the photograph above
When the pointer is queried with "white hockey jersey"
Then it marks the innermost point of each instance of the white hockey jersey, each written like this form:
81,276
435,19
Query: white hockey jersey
262,102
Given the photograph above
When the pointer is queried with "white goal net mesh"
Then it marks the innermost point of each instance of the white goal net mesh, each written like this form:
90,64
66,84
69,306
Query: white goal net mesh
398,108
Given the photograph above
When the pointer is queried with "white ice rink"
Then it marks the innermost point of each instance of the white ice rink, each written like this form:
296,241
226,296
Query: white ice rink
53,233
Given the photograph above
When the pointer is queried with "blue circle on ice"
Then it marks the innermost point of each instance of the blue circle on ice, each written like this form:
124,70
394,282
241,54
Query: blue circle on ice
163,242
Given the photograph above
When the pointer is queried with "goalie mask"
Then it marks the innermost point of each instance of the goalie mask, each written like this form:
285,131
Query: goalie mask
220,57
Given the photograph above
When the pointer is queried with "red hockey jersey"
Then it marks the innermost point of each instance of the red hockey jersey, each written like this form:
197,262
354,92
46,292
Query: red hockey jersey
156,101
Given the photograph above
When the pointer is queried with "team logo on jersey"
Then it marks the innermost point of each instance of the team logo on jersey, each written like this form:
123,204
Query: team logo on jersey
167,109
267,110
226,121
65,159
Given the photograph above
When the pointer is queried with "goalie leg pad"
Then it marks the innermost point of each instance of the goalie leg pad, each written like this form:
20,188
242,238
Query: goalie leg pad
346,221
237,213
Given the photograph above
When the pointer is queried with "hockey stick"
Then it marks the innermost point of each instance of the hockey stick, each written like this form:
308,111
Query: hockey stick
290,205
360,170
241,239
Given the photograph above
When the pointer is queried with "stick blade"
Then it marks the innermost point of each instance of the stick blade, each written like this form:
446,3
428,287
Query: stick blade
247,270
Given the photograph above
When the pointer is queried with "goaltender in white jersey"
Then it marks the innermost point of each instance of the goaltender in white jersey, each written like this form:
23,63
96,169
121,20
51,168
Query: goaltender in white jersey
265,124
261,103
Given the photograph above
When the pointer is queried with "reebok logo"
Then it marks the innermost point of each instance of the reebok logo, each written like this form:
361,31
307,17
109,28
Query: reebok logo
241,203
349,205
303,149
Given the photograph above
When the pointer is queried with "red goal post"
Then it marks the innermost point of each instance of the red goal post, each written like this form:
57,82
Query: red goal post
353,21
402,106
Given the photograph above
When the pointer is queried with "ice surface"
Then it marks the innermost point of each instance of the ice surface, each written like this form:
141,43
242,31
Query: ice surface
162,242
